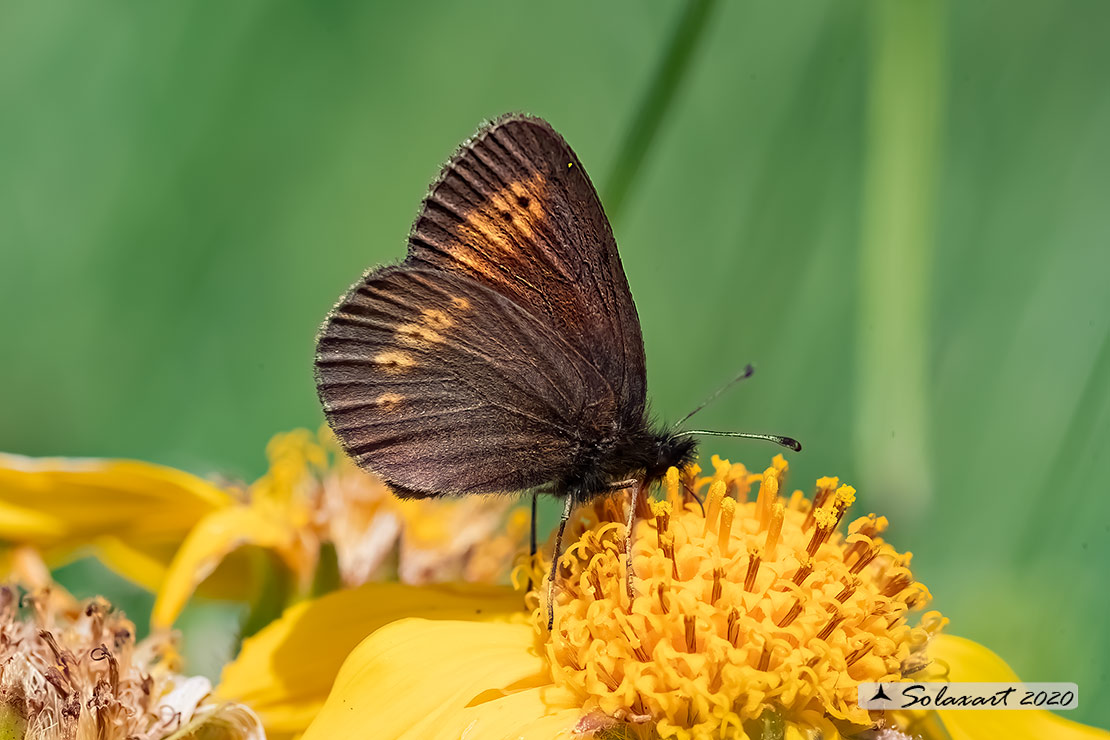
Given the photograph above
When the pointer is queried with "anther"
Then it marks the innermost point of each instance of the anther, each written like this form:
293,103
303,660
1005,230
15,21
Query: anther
101,652
728,510
753,570
733,630
691,635
896,585
718,574
606,676
713,504
845,497
849,589
825,521
765,657
855,656
825,486
661,510
661,592
863,561
805,568
791,615
856,549
61,657
595,583
666,544
833,623
638,651
55,678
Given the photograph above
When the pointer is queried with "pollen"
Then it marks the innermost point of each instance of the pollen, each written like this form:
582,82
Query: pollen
754,609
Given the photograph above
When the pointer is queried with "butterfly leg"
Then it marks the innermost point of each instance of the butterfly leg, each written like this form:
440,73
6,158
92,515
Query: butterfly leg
632,504
690,492
555,561
532,542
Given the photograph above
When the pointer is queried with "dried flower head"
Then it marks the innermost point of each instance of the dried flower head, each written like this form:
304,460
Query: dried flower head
73,671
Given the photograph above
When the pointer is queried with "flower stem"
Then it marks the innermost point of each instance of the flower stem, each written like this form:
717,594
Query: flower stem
655,103
905,102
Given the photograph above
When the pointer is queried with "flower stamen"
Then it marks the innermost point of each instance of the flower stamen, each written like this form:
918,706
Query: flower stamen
716,641
728,510
732,632
713,504
825,486
753,570
778,514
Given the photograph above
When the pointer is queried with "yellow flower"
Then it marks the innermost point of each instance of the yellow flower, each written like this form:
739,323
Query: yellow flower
758,618
312,495
173,532
132,515
75,672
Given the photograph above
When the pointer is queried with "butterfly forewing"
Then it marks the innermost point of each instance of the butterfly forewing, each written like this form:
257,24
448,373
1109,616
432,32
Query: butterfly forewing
515,210
442,385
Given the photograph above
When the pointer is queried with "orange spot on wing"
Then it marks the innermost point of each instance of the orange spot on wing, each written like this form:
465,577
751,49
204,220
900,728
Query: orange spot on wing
433,318
394,362
389,401
508,218
417,333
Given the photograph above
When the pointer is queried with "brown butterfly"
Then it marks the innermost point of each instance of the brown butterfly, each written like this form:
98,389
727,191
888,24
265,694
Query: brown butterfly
504,353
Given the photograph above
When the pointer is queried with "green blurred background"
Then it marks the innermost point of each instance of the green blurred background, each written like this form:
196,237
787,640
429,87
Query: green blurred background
898,211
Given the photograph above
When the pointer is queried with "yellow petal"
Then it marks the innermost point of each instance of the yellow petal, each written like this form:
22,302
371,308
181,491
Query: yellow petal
286,670
213,539
538,713
59,502
969,661
415,679
135,563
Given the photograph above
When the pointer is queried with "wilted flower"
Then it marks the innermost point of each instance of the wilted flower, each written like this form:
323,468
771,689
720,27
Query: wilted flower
73,671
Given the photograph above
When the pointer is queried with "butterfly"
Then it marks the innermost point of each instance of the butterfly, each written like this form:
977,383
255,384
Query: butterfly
504,353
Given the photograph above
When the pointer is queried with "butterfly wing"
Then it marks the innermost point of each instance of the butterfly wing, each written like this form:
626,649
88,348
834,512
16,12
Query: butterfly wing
442,385
515,210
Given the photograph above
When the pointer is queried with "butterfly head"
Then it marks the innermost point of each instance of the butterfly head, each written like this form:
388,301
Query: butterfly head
671,451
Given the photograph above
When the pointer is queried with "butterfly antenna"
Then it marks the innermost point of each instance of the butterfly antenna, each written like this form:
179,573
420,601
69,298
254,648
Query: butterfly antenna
778,439
745,373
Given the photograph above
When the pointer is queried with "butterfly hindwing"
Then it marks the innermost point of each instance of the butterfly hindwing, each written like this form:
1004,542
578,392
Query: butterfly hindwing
442,385
515,211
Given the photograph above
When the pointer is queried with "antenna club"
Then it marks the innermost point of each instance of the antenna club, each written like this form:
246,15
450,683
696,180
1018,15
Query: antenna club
788,442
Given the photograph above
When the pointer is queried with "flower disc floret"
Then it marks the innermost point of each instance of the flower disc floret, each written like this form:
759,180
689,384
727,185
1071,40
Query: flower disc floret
744,607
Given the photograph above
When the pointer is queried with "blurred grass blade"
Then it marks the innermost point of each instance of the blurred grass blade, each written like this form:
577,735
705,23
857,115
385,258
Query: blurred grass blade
1073,465
905,101
655,103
